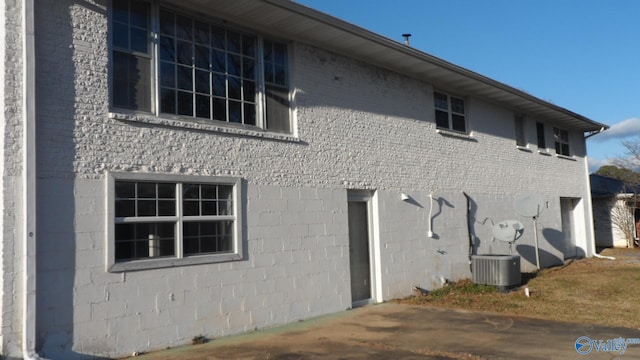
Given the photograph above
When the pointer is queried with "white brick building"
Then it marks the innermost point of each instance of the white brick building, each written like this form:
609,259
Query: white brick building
178,168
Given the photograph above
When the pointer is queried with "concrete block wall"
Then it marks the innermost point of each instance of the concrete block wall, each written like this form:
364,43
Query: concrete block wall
358,127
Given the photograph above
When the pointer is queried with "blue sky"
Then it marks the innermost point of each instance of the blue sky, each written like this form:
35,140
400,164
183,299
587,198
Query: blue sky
583,55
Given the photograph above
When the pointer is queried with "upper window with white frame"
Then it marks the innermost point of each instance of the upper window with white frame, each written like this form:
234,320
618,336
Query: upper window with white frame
205,71
165,220
450,112
561,138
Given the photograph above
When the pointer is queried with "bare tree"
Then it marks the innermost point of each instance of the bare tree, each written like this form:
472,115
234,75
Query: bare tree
622,217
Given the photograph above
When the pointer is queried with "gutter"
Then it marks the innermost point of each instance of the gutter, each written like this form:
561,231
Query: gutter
28,225
596,132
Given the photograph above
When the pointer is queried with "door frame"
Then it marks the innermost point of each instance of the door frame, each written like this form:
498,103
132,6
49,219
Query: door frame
369,197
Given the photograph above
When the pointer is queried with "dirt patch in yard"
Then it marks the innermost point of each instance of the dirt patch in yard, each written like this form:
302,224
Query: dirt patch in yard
591,291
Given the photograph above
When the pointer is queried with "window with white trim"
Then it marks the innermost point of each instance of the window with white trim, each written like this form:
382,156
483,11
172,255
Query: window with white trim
561,137
542,144
165,220
450,112
205,71
519,130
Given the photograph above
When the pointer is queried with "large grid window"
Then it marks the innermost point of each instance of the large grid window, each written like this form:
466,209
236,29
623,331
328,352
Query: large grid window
206,71
172,220
450,112
561,141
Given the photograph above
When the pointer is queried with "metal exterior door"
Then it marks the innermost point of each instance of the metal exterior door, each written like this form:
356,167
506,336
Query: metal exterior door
359,251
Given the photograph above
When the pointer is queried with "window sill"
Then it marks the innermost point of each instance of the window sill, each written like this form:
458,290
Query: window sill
570,158
524,148
544,152
147,264
456,134
212,127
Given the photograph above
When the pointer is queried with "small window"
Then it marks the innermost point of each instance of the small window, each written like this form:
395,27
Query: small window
519,129
541,140
450,112
561,138
152,221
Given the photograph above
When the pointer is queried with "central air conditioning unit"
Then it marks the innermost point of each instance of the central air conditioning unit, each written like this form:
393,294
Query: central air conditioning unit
502,271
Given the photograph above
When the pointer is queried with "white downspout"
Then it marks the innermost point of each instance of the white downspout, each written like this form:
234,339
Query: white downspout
28,182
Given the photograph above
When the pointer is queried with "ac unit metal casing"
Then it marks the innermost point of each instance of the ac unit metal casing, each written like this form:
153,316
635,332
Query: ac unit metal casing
502,271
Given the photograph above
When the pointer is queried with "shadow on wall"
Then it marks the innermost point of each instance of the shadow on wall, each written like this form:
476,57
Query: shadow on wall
62,231
441,202
557,240
547,259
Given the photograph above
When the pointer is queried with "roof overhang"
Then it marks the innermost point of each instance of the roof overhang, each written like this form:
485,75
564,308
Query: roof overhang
285,18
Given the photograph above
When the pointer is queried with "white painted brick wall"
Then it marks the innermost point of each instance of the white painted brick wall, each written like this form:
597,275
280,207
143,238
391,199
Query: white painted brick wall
359,127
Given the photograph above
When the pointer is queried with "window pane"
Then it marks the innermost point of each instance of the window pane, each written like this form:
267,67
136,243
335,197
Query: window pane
125,208
219,85
147,208
125,189
202,81
120,35
167,23
219,109
201,56
166,191
248,46
146,190
235,112
120,11
139,40
225,192
234,65
191,208
248,68
131,82
207,237
203,106
185,53
280,77
143,240
191,191
209,191
167,74
565,149
277,109
225,208
458,123
441,101
168,101
442,119
184,28
166,207
249,114
201,33
279,54
218,61
218,38
140,14
210,208
233,42
185,103
167,49
185,78
235,90
540,132
457,105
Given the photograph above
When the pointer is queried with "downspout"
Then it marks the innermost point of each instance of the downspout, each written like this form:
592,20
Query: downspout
590,246
28,182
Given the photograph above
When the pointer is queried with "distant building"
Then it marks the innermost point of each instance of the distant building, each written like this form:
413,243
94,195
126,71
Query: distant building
181,168
615,207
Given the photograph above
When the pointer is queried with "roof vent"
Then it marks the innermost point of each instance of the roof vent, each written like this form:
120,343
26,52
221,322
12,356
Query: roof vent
406,38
